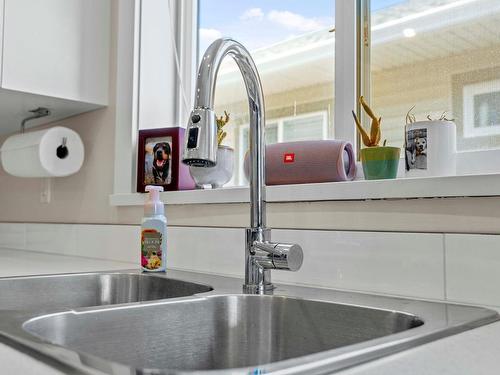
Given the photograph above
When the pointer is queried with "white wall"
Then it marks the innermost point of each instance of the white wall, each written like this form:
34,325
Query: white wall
82,197
444,267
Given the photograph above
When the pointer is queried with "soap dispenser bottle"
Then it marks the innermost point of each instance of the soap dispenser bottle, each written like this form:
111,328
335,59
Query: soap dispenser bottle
154,232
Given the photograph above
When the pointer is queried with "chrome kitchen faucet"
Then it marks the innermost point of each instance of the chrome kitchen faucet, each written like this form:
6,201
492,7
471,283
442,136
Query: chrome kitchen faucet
261,255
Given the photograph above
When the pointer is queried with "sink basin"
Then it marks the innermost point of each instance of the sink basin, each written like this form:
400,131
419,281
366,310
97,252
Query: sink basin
297,330
56,292
218,332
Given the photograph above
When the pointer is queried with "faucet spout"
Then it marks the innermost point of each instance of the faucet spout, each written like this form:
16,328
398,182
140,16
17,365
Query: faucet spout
204,101
201,151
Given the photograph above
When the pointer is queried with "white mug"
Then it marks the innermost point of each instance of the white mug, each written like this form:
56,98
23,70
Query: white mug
430,149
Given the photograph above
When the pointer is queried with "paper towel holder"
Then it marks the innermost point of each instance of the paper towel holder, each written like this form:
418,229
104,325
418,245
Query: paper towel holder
62,150
37,113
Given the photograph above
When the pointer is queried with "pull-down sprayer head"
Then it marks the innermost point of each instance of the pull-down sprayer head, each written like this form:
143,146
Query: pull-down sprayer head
201,139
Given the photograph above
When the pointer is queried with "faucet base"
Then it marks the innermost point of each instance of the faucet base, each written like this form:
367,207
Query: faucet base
257,263
258,289
262,256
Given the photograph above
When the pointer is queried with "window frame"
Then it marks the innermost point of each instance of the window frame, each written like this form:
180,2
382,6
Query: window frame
350,52
129,85
128,106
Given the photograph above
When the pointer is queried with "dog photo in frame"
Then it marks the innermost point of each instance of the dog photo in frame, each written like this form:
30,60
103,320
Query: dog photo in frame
159,160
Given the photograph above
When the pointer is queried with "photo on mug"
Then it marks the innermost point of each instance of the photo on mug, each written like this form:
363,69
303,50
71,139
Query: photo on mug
416,149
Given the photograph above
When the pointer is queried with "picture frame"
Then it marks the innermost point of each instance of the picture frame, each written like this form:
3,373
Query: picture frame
159,153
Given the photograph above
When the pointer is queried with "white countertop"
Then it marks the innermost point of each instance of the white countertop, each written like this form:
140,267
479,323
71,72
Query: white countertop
472,352
25,263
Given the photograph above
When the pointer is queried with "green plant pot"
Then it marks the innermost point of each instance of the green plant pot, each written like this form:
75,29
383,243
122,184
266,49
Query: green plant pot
380,162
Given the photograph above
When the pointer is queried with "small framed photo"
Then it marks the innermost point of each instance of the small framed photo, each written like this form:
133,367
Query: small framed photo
159,160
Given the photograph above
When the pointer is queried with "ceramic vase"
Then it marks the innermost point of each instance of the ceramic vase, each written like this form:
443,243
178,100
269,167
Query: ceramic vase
220,174
380,162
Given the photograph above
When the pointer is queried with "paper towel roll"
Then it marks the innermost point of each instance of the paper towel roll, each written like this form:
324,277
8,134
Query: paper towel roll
42,153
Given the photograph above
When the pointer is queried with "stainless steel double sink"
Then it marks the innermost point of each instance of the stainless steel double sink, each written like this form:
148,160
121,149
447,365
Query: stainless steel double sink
132,323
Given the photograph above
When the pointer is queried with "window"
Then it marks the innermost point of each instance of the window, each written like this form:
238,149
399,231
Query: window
293,48
481,109
437,55
307,127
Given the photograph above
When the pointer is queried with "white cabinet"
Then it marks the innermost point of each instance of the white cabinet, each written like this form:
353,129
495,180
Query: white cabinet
2,6
55,53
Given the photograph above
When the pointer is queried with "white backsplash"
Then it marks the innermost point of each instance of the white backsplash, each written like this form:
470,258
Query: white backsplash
473,268
456,267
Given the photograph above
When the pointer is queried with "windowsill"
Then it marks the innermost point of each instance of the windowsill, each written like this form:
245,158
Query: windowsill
401,188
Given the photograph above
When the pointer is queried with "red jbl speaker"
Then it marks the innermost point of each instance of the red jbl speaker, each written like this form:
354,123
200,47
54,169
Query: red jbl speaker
308,162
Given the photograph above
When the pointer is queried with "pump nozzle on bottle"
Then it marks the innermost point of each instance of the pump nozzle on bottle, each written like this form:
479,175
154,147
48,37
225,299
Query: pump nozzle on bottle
153,205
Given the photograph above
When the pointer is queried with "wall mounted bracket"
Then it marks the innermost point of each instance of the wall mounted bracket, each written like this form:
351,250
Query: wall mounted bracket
37,113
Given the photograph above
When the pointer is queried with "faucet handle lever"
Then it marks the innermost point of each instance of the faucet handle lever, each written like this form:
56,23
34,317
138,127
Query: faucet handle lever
285,256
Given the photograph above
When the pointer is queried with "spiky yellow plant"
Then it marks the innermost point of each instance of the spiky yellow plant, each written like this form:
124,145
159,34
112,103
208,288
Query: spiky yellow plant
372,139
221,122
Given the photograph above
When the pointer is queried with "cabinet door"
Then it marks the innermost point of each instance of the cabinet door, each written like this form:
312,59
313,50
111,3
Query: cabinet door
57,48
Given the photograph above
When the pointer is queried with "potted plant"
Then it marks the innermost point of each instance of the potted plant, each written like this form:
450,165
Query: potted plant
222,172
379,162
430,146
